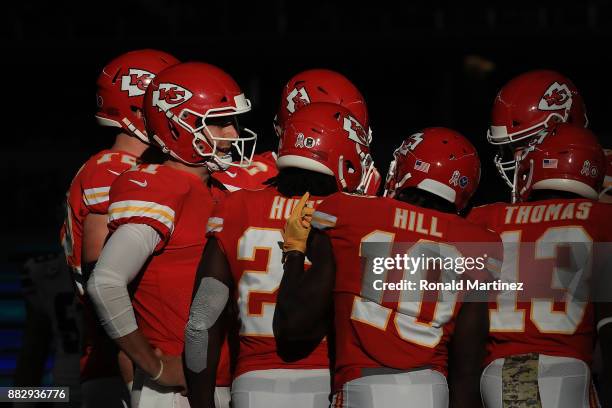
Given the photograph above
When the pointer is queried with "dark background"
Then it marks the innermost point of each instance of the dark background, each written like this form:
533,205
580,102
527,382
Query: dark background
418,65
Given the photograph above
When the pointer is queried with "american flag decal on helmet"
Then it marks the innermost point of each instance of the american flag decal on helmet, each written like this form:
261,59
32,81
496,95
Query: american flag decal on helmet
421,166
549,163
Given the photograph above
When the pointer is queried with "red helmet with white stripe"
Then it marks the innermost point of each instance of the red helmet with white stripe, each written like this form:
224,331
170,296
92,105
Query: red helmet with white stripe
122,85
569,159
526,108
437,160
320,85
180,105
324,137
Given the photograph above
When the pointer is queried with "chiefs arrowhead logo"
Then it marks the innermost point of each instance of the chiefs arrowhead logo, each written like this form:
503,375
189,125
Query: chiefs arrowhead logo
557,96
355,131
168,96
136,81
297,99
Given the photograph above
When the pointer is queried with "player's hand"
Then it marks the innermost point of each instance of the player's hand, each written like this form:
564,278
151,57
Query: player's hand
126,368
172,374
297,226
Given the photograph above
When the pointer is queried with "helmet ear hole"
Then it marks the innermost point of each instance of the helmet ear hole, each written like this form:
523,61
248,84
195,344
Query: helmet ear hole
350,168
553,120
199,144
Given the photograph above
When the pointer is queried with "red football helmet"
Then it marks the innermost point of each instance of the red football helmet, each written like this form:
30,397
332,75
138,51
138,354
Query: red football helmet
569,159
526,107
122,85
606,193
438,160
321,85
324,137
178,104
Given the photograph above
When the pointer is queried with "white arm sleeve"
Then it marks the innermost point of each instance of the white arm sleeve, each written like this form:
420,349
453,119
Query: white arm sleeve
121,259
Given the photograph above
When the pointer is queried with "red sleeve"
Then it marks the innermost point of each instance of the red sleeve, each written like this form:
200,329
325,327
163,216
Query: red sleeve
479,215
148,195
100,173
226,222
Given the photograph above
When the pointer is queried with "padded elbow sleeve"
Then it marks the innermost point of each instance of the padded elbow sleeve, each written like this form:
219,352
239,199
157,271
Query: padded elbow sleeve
207,306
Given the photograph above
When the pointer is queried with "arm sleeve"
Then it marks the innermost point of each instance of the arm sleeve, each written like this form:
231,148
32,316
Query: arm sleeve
121,260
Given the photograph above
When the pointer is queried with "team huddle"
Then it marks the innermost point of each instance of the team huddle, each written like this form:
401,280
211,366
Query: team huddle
212,275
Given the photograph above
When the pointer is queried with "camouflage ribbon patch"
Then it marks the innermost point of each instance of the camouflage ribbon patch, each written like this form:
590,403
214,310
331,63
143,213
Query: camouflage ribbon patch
520,382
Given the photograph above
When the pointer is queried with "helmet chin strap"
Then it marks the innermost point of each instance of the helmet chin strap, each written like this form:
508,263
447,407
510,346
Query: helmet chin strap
389,189
215,164
341,172
132,128
529,179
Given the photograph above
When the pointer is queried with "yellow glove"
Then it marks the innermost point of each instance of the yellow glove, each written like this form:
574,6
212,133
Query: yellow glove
297,226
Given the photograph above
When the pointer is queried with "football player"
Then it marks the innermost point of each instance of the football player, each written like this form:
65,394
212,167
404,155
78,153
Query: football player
541,345
322,149
525,109
313,85
121,88
392,349
157,215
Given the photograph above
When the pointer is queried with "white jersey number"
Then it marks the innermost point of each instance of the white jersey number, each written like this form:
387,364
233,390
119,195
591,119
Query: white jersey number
508,318
256,312
368,308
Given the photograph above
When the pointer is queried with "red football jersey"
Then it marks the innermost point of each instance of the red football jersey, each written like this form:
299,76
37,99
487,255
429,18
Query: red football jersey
375,328
88,193
248,226
177,205
542,249
262,168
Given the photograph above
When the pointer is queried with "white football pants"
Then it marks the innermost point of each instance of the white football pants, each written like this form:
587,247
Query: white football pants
282,388
563,382
423,389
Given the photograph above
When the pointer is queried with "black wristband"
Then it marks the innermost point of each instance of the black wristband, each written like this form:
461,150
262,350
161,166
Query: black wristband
287,254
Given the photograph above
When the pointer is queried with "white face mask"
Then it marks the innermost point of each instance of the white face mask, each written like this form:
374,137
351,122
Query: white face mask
219,163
